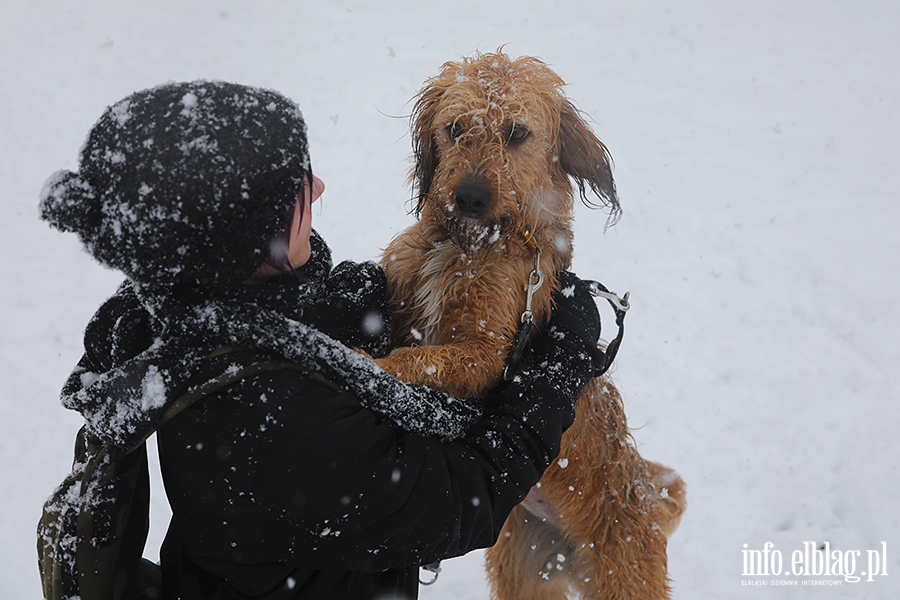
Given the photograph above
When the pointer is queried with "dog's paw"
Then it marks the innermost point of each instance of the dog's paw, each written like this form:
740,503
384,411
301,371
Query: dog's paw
671,496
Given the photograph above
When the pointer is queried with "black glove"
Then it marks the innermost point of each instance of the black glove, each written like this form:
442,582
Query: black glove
560,359
576,318
352,307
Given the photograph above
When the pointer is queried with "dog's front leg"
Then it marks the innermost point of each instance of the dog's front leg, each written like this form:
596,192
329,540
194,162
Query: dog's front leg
464,370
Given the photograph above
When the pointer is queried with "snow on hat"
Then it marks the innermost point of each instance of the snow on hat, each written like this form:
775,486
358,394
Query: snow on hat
185,182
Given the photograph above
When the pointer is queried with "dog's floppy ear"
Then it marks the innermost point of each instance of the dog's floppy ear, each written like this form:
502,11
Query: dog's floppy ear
584,158
424,146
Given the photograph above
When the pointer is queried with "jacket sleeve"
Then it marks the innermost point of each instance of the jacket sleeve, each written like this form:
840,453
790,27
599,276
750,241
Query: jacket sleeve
281,469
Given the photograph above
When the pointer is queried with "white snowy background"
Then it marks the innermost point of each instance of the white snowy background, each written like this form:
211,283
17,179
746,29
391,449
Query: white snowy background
757,151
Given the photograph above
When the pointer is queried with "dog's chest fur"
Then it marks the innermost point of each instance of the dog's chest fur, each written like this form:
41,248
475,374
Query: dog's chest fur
453,284
457,295
432,293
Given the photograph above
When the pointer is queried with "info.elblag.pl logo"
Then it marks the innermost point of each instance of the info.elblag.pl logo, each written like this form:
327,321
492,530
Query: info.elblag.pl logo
813,564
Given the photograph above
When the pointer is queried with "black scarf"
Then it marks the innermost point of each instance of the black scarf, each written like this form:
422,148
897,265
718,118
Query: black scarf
146,343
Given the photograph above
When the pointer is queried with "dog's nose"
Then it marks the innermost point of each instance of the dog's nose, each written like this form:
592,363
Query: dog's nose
473,198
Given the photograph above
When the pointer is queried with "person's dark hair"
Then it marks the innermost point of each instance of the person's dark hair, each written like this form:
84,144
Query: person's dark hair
278,256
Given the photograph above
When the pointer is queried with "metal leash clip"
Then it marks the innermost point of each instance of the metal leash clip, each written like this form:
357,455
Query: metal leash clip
535,281
620,307
435,568
598,290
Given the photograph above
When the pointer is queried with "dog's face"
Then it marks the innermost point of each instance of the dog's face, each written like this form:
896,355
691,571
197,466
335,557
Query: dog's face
495,143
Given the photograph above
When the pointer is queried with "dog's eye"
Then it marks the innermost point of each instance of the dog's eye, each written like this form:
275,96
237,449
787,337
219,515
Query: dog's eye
517,134
455,131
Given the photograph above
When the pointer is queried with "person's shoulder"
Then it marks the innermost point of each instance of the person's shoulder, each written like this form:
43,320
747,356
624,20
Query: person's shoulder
300,410
291,383
292,389
231,369
262,404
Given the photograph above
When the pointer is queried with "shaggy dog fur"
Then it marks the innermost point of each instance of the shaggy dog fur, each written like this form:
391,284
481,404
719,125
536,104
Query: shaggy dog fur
497,148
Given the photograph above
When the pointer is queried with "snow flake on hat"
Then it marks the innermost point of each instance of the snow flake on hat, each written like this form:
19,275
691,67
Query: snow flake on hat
121,112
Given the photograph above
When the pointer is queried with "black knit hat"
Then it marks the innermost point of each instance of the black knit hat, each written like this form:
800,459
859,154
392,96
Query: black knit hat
185,182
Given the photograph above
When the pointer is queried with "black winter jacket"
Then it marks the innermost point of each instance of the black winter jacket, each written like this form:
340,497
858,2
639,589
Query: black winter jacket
282,486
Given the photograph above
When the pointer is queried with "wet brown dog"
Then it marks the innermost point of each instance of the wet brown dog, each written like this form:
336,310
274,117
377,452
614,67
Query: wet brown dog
497,146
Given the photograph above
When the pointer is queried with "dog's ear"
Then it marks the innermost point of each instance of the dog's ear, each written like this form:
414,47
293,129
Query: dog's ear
424,146
584,158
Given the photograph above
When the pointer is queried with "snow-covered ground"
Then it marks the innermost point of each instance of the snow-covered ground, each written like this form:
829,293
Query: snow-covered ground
757,151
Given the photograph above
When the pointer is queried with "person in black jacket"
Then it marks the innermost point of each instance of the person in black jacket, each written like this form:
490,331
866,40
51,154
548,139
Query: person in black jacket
320,476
